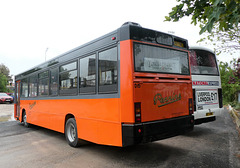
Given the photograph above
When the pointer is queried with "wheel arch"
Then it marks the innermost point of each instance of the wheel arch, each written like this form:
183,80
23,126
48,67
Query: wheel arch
23,111
71,134
69,115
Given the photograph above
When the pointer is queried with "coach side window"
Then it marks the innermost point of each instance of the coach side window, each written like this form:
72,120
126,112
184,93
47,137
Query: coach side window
24,87
68,79
43,84
54,81
87,76
107,70
33,86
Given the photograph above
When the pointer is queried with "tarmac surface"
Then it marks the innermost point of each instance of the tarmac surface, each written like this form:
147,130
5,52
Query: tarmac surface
214,144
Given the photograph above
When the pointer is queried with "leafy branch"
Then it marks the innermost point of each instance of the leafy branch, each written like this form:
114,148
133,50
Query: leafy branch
208,12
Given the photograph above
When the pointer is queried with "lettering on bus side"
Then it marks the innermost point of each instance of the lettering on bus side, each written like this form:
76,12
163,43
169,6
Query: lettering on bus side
158,98
207,83
31,105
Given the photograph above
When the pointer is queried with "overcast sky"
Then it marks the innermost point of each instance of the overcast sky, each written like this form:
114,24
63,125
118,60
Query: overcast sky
29,27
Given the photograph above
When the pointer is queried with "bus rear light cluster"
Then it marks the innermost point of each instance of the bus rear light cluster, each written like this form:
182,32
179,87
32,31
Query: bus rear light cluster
190,105
137,109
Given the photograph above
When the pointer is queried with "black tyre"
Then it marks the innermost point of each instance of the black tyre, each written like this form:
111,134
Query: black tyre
71,133
24,120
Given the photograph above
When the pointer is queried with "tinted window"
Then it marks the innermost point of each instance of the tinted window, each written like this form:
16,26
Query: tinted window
43,87
43,75
43,84
107,68
24,87
54,81
87,75
68,79
33,86
160,60
68,67
203,62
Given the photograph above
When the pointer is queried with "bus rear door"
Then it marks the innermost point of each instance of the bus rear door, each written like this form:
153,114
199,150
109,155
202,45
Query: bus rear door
17,101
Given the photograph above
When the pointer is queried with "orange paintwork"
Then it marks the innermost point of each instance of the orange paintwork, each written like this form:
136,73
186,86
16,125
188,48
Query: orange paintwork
100,120
97,119
15,110
151,106
126,82
17,99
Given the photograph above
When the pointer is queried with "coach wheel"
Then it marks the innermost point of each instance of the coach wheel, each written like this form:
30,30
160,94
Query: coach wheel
24,119
71,133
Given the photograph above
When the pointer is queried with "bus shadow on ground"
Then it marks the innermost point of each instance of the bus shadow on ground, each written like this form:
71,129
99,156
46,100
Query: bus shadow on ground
199,131
153,154
142,154
146,155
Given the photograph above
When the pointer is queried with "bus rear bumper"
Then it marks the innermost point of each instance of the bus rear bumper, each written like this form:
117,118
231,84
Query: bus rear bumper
156,130
204,120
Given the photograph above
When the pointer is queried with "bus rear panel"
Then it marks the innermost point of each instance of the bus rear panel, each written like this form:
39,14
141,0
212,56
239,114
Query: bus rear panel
207,92
162,86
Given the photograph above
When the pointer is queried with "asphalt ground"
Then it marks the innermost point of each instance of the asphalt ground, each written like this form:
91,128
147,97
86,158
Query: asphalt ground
213,144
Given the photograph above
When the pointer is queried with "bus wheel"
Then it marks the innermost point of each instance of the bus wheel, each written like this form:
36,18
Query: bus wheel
24,119
71,133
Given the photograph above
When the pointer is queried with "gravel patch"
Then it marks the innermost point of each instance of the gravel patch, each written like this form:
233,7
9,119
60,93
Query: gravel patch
6,112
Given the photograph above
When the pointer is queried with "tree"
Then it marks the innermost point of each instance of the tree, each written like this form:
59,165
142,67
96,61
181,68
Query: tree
230,78
208,13
220,18
228,42
3,83
5,71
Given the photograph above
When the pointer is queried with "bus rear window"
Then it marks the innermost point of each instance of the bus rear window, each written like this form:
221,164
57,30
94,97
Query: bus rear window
203,63
155,59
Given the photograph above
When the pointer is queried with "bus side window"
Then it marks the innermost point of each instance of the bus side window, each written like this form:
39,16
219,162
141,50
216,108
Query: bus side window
33,86
43,84
24,87
107,70
68,79
87,77
54,81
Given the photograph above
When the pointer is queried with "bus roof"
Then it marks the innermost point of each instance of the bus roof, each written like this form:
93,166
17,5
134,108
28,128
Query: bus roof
128,30
201,48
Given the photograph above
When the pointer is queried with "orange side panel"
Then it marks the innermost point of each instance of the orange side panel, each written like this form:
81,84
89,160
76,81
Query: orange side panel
98,120
126,82
105,133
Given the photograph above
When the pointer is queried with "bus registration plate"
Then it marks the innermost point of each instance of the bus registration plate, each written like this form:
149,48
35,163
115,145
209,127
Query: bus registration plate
207,97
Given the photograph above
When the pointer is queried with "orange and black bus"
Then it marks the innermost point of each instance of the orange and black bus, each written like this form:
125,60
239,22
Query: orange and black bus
130,86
